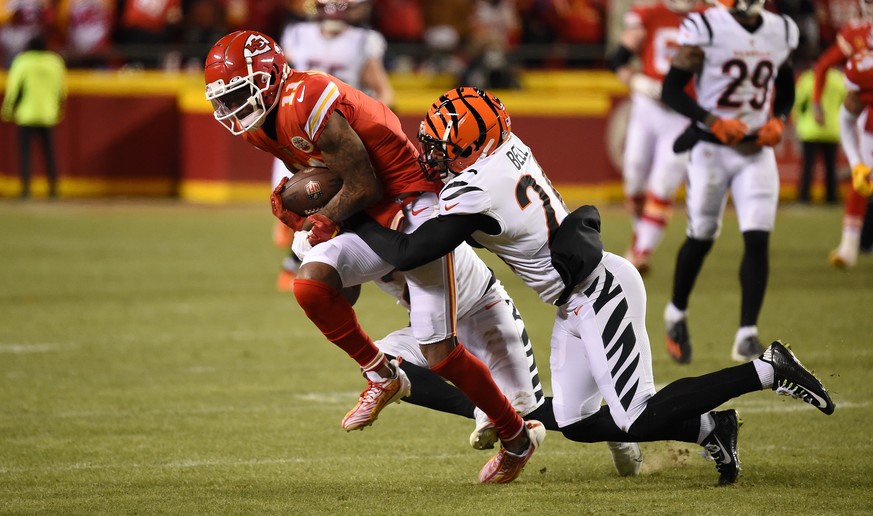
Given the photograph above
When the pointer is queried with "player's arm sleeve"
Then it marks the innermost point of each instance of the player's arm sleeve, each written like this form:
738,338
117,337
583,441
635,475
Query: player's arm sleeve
675,95
432,240
783,98
695,34
833,56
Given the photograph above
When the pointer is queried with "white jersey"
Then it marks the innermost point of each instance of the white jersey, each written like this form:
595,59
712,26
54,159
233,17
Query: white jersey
510,187
342,56
739,67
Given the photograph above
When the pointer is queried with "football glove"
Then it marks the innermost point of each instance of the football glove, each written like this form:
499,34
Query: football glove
289,218
861,180
300,246
770,133
323,229
729,131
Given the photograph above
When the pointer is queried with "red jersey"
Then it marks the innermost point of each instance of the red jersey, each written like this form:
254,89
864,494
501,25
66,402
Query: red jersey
855,36
307,102
662,33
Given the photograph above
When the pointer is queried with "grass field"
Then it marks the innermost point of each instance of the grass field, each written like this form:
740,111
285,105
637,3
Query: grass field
147,365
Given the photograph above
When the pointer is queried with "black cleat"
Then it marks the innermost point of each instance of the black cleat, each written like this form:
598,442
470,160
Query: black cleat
721,446
678,342
792,379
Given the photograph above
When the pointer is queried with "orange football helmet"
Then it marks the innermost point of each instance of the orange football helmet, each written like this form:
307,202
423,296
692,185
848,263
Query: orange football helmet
244,74
462,126
742,7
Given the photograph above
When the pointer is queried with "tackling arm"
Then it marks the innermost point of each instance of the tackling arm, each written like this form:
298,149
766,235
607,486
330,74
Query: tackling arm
434,239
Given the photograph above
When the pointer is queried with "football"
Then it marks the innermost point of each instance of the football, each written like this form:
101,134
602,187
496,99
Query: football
309,189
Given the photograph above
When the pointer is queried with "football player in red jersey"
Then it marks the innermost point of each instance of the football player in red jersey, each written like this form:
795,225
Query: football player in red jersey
857,139
652,171
854,37
313,119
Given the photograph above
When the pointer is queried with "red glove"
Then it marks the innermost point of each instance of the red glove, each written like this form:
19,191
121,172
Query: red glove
289,218
323,229
770,133
729,131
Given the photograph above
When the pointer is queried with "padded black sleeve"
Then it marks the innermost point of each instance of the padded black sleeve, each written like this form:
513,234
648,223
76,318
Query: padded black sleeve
432,240
674,95
619,57
783,98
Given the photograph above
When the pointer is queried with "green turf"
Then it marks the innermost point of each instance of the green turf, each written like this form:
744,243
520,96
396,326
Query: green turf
148,366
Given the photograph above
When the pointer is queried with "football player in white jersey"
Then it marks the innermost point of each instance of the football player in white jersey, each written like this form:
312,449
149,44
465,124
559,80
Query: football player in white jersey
493,330
499,197
334,44
739,57
652,172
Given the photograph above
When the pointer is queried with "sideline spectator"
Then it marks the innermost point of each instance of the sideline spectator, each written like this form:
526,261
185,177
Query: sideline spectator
35,92
818,140
494,30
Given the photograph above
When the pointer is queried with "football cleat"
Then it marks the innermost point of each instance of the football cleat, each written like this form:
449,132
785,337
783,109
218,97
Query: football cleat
791,378
377,396
843,258
678,341
627,457
747,349
485,435
721,446
505,466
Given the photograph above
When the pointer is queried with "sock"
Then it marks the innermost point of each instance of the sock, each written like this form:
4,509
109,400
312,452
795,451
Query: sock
673,314
430,390
689,261
650,229
335,318
707,425
766,373
681,402
544,414
471,376
754,270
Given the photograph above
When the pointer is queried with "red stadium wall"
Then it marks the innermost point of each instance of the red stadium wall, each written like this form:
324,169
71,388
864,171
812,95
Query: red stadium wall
150,135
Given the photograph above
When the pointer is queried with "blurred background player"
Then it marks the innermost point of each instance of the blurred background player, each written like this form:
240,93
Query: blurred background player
740,58
337,43
857,136
818,140
652,171
854,37
312,119
34,101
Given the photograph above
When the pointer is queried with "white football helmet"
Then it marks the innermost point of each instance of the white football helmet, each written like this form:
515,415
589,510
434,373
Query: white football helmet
681,6
743,7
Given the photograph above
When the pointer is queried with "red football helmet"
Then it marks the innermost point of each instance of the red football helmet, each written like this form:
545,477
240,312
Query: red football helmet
244,74
463,125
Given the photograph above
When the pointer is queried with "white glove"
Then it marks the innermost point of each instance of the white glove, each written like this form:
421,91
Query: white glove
644,84
300,246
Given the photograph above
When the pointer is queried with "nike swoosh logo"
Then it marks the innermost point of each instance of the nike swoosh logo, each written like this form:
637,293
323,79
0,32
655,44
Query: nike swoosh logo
302,91
450,206
417,212
492,305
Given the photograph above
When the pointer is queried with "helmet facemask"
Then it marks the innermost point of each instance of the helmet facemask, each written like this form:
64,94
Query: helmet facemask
240,105
461,127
